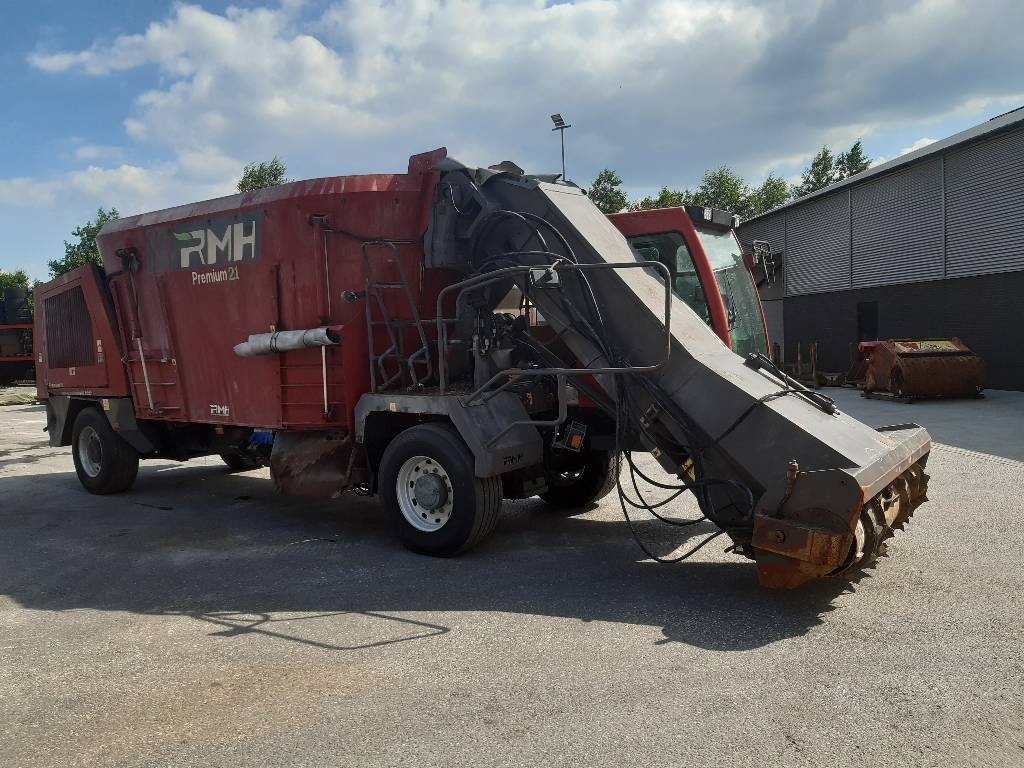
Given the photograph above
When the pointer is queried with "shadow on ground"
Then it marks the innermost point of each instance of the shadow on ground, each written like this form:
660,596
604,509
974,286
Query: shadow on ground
197,541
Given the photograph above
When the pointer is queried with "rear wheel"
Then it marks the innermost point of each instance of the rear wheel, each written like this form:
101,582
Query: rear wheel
435,502
104,461
239,462
580,487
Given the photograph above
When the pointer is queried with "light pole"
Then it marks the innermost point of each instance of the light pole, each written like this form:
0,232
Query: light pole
560,126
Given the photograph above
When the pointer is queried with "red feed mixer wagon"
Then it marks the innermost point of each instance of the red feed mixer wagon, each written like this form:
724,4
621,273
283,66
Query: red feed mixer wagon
344,332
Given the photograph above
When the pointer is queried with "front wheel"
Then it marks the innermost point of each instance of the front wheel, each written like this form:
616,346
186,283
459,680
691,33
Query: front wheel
582,486
436,503
104,461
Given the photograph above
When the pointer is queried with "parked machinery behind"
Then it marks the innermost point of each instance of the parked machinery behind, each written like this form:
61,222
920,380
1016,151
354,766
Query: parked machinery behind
922,368
16,361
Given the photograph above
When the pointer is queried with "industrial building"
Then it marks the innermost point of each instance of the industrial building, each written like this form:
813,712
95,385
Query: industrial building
929,245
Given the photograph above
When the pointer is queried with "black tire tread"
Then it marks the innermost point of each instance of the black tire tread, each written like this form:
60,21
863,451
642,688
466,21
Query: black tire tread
487,490
598,480
238,462
488,506
120,458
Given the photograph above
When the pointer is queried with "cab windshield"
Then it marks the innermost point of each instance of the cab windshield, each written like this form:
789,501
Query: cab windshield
746,329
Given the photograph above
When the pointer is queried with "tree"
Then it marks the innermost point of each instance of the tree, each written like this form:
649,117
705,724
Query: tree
16,279
84,250
667,198
772,193
819,174
721,188
725,189
826,169
606,193
853,161
267,174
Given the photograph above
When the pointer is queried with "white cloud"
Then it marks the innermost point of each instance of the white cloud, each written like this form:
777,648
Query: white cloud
919,144
98,152
27,192
251,82
130,188
658,89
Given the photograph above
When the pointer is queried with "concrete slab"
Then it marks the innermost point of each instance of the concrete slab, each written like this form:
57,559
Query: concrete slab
993,424
199,620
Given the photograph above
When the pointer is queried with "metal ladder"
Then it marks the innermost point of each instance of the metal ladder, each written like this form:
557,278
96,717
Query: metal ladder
419,364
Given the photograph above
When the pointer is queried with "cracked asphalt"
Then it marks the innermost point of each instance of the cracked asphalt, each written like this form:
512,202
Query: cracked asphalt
198,620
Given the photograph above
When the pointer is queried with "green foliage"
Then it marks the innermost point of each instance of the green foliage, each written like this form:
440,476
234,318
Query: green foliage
16,279
853,161
819,174
724,189
606,193
260,175
83,250
772,193
826,168
666,198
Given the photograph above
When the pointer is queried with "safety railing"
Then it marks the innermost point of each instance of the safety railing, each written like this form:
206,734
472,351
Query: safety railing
484,393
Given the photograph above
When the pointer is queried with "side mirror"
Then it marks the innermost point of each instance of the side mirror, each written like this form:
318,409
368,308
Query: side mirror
761,252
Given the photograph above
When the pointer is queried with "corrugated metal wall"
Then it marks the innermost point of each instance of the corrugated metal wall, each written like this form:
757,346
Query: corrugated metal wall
897,227
818,245
985,206
984,311
770,228
956,215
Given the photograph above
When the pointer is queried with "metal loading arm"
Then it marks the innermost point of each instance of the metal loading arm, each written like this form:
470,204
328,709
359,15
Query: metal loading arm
740,425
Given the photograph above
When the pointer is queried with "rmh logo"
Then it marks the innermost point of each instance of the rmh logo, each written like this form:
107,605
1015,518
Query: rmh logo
236,242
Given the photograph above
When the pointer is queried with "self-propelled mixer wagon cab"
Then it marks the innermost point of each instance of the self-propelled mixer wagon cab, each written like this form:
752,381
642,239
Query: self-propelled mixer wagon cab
344,332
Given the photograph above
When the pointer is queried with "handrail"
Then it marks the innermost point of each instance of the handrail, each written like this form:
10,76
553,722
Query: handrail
500,274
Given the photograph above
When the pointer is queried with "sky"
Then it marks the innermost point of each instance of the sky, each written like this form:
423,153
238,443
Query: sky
141,105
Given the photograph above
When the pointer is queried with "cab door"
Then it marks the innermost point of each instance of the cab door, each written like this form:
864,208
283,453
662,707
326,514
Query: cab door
667,235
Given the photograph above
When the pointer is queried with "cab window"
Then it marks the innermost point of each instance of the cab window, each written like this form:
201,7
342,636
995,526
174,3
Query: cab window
670,249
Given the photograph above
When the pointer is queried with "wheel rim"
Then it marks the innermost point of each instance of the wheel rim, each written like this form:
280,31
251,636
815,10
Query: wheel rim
424,492
90,451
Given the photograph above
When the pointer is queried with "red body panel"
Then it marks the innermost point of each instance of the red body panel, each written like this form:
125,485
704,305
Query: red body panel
190,283
98,369
676,220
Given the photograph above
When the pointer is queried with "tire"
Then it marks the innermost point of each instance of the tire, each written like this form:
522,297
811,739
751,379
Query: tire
584,487
104,461
239,462
460,508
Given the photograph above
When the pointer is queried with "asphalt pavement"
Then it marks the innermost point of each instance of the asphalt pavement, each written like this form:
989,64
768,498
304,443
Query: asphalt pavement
198,620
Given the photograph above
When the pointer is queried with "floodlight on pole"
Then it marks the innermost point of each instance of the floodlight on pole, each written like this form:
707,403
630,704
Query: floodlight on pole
560,126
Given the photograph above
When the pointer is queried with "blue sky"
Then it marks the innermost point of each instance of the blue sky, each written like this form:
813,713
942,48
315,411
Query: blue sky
142,105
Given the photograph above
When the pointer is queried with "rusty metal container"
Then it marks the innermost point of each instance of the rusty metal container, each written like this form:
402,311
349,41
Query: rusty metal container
922,368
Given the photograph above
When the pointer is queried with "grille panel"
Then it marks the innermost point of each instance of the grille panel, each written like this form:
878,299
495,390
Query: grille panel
68,330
